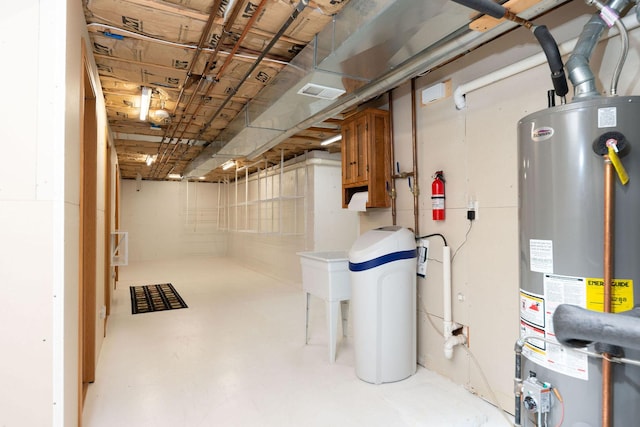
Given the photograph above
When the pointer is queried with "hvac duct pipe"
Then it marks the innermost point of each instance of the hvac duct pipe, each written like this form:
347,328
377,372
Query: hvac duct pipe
630,22
417,64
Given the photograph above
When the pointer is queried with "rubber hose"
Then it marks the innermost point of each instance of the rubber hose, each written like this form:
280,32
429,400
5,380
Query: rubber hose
551,51
484,6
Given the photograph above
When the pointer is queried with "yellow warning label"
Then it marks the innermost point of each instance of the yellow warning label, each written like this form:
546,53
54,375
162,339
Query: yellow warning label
621,294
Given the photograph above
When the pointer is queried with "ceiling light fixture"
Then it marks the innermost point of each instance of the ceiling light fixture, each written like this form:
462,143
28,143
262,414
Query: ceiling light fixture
145,102
150,159
174,176
228,164
331,140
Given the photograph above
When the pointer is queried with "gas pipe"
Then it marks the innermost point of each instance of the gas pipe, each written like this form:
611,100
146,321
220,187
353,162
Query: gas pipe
437,196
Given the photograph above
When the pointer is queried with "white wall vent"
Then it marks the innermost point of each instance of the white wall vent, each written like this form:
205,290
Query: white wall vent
319,91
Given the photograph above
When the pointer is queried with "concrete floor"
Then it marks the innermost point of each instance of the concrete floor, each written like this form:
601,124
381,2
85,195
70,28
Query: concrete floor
237,357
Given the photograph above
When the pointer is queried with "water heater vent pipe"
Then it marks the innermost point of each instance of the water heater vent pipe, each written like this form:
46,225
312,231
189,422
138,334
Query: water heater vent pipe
580,73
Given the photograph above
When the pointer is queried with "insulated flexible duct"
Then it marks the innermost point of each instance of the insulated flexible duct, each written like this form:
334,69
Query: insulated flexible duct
578,327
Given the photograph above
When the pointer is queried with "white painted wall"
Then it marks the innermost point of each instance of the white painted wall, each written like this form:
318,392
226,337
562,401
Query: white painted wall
334,228
328,226
171,219
181,219
477,150
39,208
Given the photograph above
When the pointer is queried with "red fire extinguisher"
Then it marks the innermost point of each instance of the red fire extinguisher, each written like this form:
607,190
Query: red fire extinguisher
437,196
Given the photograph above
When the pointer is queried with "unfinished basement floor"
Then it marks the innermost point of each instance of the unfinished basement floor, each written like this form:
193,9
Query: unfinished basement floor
237,357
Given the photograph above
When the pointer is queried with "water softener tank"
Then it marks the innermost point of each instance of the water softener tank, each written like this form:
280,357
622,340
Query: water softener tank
561,188
382,268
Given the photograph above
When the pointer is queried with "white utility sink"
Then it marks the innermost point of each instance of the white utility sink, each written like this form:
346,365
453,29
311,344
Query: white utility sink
326,275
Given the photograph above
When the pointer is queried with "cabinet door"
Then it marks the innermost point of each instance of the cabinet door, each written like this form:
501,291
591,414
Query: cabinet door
349,155
360,147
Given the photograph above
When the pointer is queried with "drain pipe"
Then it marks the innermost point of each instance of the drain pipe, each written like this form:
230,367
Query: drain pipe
450,340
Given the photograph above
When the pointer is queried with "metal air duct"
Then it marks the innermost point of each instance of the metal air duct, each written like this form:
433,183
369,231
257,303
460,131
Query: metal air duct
369,48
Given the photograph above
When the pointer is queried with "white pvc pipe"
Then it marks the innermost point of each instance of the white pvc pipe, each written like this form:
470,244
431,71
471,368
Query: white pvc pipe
630,21
446,290
450,340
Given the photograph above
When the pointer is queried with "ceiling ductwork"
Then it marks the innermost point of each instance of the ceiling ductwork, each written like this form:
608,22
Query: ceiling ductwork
368,48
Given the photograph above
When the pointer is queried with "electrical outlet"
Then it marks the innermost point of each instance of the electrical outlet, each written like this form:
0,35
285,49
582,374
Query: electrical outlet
472,210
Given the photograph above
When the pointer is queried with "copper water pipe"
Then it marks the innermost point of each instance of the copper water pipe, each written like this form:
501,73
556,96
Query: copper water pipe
414,143
194,60
236,46
228,59
302,4
609,200
393,193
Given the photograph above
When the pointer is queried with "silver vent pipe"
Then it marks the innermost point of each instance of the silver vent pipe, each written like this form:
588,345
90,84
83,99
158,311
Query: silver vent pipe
580,74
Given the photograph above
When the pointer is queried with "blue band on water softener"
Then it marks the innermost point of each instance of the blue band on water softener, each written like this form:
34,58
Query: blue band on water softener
384,259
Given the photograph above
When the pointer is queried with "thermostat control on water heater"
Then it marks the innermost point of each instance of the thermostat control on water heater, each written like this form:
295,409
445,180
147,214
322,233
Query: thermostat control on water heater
536,395
536,398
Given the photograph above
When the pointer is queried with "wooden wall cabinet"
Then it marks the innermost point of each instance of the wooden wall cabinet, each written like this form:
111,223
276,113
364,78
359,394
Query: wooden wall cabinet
366,157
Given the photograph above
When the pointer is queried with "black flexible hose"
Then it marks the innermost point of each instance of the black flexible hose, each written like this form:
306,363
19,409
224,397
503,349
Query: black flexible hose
550,48
487,7
541,32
